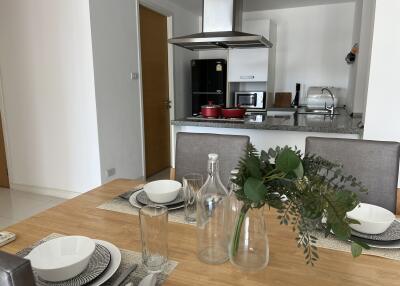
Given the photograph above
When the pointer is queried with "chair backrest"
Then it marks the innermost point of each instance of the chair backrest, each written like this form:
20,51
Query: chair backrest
374,163
15,271
192,151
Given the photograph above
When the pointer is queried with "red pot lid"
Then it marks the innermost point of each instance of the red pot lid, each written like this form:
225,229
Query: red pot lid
238,107
211,105
234,108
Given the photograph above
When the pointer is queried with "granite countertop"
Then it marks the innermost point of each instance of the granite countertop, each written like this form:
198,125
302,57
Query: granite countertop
343,123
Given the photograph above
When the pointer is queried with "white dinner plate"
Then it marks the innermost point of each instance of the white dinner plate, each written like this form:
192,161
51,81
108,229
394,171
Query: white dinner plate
394,245
114,264
134,203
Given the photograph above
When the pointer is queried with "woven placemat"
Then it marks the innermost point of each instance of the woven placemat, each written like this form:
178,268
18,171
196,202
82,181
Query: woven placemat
121,205
330,242
128,258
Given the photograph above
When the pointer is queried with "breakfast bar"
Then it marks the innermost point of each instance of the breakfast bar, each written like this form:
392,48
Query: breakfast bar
282,120
275,128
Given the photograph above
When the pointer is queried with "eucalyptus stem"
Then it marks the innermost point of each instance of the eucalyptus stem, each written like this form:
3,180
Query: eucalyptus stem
238,230
312,186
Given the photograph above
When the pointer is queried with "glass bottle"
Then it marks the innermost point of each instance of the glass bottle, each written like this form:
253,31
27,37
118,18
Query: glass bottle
212,216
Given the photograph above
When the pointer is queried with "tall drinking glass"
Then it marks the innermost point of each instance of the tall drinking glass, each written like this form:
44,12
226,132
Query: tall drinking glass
154,234
191,185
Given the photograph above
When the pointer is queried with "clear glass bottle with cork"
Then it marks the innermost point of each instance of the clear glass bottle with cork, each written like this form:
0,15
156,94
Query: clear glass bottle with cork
212,217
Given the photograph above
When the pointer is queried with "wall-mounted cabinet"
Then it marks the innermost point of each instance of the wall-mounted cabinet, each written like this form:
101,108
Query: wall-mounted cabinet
248,65
251,65
254,69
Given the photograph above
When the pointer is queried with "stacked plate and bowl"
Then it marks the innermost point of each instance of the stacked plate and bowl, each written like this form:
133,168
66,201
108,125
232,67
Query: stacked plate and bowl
168,193
378,226
74,260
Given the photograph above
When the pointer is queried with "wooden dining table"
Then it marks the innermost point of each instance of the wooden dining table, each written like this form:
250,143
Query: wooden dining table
79,216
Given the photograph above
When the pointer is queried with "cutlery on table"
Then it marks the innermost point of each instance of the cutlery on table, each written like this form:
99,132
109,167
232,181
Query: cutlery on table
149,280
124,274
128,194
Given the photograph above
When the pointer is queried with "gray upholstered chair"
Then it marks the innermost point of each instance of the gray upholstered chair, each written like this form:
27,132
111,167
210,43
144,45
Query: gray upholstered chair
15,271
374,163
192,151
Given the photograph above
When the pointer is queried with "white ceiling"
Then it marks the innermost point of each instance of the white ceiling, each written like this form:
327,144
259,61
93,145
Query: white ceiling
195,6
254,5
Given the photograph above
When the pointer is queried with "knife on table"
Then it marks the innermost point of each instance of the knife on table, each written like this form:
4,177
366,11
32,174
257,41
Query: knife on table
128,194
124,274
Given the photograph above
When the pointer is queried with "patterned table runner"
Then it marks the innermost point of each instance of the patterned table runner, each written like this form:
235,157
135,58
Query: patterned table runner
120,205
332,243
128,258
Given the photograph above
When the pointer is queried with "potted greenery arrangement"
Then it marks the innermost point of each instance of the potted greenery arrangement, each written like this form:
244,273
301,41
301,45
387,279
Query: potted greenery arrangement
305,189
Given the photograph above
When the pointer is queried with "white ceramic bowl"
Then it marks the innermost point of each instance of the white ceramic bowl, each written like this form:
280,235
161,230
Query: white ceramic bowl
162,191
62,258
373,219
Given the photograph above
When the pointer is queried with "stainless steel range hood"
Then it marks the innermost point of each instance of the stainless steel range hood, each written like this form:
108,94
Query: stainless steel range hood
222,21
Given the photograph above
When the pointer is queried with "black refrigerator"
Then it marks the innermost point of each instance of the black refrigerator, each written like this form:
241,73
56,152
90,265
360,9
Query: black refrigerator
208,83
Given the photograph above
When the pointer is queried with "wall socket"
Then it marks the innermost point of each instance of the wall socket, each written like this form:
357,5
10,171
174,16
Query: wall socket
110,172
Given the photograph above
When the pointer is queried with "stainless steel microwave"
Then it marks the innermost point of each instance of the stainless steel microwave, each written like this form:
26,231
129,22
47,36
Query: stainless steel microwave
251,100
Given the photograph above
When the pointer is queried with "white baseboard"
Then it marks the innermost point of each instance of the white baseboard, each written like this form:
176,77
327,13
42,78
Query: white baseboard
45,191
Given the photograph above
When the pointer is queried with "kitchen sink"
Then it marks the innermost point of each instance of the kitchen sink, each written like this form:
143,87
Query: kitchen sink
278,112
316,111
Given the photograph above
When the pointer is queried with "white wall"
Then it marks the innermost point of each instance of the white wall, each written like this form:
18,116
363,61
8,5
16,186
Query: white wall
359,71
312,43
351,90
382,111
116,42
184,23
49,98
49,107
364,57
115,39
213,54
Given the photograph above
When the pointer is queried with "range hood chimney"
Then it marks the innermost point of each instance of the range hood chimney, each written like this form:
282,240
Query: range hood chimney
222,21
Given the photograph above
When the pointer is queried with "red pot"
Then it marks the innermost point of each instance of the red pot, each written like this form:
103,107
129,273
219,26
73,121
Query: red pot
211,110
234,112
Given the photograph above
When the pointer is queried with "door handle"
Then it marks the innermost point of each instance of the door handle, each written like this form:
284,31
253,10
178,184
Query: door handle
247,77
168,104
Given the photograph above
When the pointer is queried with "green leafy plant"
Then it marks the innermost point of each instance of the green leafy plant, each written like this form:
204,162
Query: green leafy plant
317,195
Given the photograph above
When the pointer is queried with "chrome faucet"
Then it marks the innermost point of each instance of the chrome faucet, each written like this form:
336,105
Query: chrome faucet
331,108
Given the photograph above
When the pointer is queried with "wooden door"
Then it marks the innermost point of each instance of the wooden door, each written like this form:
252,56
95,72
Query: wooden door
3,161
156,104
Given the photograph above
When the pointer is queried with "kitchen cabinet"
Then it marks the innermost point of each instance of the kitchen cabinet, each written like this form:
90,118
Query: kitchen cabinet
248,65
253,65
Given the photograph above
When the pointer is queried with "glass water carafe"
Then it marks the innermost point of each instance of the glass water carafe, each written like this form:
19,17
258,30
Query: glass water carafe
212,217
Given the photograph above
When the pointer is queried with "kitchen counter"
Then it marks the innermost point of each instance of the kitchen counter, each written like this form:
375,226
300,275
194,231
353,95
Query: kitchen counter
275,120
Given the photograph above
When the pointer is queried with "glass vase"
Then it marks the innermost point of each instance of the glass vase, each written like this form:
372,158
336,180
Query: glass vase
248,248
